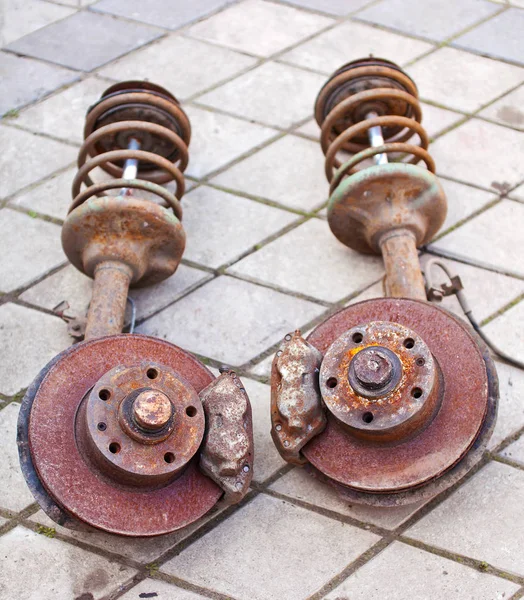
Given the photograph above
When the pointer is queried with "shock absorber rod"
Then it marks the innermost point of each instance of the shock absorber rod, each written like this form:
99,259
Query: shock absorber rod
131,165
376,139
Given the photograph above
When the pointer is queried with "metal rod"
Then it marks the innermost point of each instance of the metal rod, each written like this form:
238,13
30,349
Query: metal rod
376,139
130,165
108,302
403,274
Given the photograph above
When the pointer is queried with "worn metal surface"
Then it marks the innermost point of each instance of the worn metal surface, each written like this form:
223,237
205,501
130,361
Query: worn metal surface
71,484
227,452
393,467
297,414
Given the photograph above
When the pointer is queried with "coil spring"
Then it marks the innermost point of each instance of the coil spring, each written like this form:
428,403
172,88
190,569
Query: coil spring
355,91
172,131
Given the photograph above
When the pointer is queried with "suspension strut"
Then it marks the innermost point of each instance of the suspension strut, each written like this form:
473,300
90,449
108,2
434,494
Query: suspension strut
390,400
123,432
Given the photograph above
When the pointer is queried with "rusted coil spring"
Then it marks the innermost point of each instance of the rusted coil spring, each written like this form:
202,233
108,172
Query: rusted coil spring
149,181
332,143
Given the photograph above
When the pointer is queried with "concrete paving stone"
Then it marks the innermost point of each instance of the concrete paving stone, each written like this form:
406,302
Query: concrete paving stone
461,80
263,94
21,17
289,171
311,261
374,291
263,368
14,493
218,139
500,37
483,519
52,197
432,19
510,417
161,591
143,550
74,287
463,201
480,153
26,80
518,193
155,63
28,341
214,320
331,7
267,458
436,119
400,568
330,50
507,331
54,569
26,158
63,114
24,262
266,537
85,40
258,27
490,238
221,227
486,291
301,485
311,129
508,110
162,13
515,451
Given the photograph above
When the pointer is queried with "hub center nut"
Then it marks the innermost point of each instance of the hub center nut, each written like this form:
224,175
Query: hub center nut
152,410
374,371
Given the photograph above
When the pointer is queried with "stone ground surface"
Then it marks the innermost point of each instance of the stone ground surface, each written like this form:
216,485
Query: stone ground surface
261,261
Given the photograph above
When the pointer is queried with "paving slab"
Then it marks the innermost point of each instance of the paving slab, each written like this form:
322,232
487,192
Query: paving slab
400,568
63,114
269,536
508,332
259,28
331,7
221,227
490,512
214,320
217,139
481,153
155,63
461,80
289,262
56,569
500,37
21,17
41,158
273,173
436,119
348,41
432,19
26,80
508,110
263,94
161,591
301,485
85,40
490,238
28,340
14,493
515,451
24,262
162,13
510,417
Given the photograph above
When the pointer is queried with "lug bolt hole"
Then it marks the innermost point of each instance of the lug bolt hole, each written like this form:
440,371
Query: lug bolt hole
101,426
104,395
409,343
416,392
191,411
367,417
332,382
114,448
357,337
420,362
169,457
152,373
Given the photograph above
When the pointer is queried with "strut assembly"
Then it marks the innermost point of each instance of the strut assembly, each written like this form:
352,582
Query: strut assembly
390,400
123,432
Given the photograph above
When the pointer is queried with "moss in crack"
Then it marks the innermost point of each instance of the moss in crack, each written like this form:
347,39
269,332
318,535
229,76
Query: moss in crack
11,114
152,568
49,532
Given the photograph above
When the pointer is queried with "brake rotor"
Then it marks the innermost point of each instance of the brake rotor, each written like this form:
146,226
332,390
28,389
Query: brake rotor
109,434
410,396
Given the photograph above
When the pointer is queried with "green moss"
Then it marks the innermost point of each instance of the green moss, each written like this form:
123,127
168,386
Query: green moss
49,532
152,568
11,114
